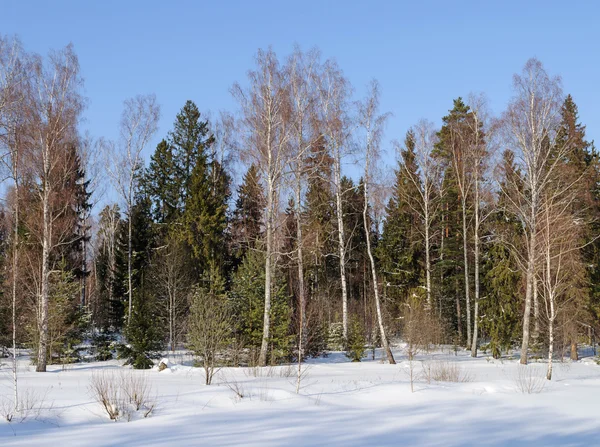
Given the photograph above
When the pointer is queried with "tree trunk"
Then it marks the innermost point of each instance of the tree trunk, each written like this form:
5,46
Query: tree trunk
427,257
45,286
129,260
574,354
384,340
550,340
466,270
341,244
476,279
301,285
530,278
15,268
264,347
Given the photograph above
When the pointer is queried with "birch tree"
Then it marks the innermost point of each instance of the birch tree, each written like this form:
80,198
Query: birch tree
12,87
426,182
530,125
55,104
139,123
334,90
301,68
371,125
265,136
479,153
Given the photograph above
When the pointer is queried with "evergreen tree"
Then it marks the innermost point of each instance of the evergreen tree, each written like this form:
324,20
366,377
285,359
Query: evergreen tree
143,332
246,299
111,267
163,184
502,281
400,250
246,221
190,140
205,218
582,165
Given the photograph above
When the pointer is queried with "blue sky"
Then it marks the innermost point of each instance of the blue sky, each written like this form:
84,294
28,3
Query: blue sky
424,53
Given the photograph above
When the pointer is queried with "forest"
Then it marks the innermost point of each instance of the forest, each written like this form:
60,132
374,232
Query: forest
482,233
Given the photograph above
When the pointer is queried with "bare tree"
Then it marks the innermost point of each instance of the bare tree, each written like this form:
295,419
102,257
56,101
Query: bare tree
139,123
530,125
301,68
372,125
55,104
479,153
12,80
425,181
333,90
265,142
173,284
562,271
209,326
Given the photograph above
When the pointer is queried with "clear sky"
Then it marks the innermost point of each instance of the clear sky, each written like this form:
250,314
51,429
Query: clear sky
424,53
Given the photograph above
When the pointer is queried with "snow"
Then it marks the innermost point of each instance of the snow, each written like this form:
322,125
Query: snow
340,404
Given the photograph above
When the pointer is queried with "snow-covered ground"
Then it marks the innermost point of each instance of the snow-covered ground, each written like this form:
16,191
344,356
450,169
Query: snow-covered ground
340,404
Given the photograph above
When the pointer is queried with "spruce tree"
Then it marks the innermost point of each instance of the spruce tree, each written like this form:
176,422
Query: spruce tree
163,184
190,140
246,300
246,220
400,250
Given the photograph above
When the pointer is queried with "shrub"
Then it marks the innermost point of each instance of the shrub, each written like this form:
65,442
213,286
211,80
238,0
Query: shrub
356,340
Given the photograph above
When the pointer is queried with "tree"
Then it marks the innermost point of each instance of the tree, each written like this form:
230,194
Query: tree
55,107
502,276
13,68
190,141
139,123
400,250
246,222
143,334
163,184
209,325
108,313
263,105
530,124
246,301
372,125
172,282
425,182
333,93
455,141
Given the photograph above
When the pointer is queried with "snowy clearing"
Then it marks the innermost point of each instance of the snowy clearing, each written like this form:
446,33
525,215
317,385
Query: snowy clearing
340,404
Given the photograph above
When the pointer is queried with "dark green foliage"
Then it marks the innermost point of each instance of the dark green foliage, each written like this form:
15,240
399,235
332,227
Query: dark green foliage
191,139
246,300
164,185
356,340
247,216
501,308
205,218
400,250
103,346
501,277
67,320
144,334
143,237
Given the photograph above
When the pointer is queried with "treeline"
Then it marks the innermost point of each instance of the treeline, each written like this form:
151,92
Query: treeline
486,237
